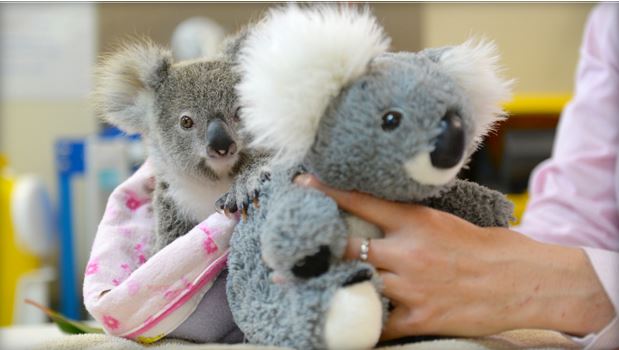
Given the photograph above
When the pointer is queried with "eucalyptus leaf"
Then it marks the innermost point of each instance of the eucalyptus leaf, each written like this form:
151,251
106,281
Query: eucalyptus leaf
66,325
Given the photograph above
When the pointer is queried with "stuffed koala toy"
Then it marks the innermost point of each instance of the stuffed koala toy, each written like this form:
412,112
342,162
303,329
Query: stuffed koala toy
188,115
320,90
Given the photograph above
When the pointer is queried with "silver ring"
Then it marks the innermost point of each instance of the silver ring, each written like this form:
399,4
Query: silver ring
364,250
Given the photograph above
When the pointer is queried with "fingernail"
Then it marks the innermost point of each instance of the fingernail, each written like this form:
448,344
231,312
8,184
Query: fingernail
304,180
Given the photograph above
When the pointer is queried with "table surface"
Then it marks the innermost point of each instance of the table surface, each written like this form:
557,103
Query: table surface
27,336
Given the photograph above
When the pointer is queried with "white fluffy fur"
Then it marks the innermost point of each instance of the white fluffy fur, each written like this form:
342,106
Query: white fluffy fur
475,66
294,63
194,197
354,318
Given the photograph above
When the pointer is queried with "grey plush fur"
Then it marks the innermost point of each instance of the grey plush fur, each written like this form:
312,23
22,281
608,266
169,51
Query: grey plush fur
290,314
140,90
300,234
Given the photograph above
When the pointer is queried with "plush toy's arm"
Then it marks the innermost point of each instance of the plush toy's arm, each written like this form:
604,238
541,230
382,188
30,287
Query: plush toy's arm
303,231
474,203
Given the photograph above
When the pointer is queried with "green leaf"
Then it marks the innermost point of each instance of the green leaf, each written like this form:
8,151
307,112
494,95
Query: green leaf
66,325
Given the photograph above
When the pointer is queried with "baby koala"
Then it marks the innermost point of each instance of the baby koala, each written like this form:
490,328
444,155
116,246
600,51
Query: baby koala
188,116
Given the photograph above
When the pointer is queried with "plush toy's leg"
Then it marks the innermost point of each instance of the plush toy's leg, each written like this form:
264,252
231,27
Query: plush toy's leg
354,319
339,309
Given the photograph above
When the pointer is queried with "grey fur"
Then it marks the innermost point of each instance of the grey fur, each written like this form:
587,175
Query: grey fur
140,89
351,152
291,314
232,45
474,203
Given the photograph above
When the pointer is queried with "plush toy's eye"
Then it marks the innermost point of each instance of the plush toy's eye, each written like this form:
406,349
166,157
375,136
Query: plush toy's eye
391,120
186,122
449,145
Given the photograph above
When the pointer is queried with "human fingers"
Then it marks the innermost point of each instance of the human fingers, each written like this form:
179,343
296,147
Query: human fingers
380,253
384,214
396,326
406,320
395,289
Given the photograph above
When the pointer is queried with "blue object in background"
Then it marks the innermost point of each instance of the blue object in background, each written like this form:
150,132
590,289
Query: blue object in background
113,157
69,163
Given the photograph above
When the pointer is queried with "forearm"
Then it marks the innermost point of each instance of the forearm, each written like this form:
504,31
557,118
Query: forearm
553,287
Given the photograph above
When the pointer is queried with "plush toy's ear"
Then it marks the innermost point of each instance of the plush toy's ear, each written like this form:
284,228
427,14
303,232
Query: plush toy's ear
474,65
126,82
294,63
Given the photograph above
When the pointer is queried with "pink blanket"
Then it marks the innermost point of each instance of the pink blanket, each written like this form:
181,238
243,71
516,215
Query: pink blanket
138,295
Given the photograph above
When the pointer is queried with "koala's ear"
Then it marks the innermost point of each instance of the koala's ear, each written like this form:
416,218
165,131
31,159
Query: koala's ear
231,47
474,65
126,82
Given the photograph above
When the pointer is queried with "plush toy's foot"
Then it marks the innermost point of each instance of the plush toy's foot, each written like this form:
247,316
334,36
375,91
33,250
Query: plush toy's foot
354,319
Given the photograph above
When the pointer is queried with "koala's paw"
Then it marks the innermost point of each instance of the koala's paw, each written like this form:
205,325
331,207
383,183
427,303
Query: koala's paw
243,194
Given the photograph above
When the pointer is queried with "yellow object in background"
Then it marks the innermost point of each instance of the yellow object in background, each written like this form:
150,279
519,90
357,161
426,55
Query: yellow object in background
15,260
520,203
540,104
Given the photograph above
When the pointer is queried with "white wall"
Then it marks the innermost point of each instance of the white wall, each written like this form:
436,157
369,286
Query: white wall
47,54
48,51
538,41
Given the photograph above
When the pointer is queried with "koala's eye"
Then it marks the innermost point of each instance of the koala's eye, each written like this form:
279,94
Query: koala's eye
449,144
237,115
391,120
186,122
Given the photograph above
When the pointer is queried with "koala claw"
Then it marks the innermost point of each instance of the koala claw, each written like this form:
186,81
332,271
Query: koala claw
232,208
243,212
226,204
220,204
239,198
255,199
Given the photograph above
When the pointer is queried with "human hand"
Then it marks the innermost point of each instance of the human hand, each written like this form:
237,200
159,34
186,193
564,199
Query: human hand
446,276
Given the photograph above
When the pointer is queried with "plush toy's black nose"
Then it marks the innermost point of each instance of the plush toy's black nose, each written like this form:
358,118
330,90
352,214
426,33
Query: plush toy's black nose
449,146
313,265
219,142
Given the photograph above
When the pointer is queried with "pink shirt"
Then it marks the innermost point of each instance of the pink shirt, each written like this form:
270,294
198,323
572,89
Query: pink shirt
574,194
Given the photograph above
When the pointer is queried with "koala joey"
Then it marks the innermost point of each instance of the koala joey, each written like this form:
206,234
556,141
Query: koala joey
188,116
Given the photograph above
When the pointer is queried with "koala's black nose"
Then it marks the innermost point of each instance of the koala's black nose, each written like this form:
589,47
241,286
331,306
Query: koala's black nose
219,141
313,265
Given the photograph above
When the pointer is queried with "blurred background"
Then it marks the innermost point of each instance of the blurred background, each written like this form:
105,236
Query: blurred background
58,163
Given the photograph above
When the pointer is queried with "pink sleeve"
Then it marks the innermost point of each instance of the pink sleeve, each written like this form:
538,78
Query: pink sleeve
573,195
131,293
